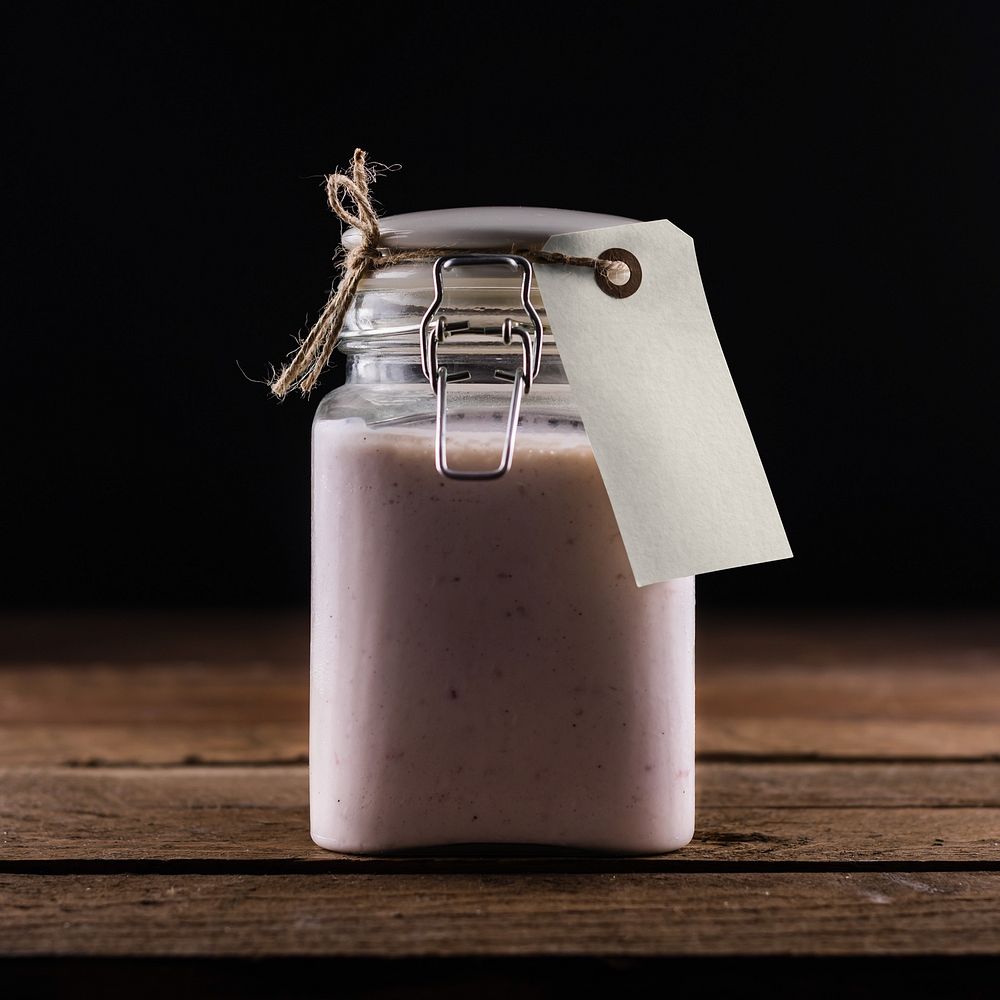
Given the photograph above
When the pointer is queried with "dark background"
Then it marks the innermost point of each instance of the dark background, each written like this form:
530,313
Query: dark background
165,228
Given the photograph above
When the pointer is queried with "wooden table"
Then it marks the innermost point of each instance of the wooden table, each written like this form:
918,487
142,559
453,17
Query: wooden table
153,826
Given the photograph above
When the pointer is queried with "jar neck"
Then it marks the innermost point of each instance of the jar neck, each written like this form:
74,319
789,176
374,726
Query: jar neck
370,365
379,334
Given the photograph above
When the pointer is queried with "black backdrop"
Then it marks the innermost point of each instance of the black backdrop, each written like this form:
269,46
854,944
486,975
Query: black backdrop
165,227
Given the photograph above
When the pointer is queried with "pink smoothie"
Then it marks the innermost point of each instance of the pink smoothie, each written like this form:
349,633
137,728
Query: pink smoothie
484,668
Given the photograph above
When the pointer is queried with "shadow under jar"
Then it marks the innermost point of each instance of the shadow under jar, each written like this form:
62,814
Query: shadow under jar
484,669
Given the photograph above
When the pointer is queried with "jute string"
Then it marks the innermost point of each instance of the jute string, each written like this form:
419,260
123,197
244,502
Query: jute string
312,355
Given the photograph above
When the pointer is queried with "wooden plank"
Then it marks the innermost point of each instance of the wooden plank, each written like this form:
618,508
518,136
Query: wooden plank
153,744
749,737
930,694
848,687
153,637
143,695
227,742
849,785
761,640
874,814
901,640
123,693
510,915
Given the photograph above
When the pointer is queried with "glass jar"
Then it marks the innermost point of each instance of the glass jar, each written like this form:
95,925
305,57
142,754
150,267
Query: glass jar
484,669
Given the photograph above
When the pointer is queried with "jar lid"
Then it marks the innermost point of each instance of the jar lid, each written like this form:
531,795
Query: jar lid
496,227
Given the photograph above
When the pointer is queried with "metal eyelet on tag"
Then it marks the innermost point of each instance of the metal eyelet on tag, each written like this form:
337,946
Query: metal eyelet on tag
626,288
438,376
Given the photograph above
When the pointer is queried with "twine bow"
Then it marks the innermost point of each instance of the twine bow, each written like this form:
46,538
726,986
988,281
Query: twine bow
312,355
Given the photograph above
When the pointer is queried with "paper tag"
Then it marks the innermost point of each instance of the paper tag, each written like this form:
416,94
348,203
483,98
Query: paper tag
667,428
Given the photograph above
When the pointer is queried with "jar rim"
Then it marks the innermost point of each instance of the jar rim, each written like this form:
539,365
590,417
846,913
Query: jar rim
498,227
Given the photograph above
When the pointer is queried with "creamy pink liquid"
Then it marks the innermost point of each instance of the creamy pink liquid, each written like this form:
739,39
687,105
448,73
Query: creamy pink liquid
484,668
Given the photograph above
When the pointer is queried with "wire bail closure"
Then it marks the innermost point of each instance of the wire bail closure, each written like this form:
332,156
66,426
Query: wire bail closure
434,331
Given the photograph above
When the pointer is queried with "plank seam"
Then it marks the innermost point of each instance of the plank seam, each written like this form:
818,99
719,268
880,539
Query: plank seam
474,866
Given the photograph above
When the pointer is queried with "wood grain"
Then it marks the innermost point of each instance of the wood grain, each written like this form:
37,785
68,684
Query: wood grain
923,815
164,690
759,640
159,744
153,805
132,638
167,744
844,739
510,915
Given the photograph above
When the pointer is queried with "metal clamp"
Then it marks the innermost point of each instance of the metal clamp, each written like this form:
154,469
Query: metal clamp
432,334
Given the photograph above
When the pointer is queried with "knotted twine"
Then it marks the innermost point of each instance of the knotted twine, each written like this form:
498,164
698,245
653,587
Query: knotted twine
312,355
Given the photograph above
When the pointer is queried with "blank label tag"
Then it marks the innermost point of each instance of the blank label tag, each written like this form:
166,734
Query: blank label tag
669,433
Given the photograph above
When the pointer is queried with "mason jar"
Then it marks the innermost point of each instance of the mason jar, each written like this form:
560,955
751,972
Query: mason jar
484,669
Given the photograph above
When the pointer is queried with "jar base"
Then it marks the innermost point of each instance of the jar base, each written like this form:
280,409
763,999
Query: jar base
496,849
